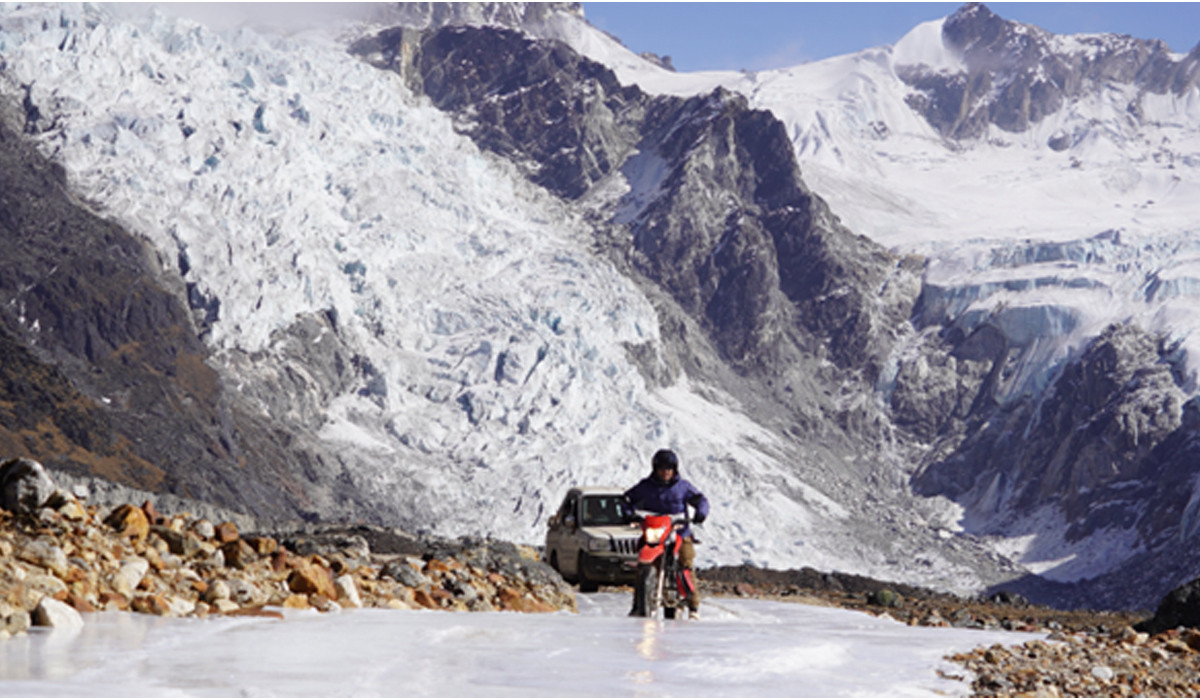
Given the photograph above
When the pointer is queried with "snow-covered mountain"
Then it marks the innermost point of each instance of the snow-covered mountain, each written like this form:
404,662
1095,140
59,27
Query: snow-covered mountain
1049,182
921,312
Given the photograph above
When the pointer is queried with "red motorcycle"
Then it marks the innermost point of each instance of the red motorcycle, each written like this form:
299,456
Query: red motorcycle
662,586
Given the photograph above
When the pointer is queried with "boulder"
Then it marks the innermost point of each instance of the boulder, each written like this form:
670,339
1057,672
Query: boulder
401,571
310,577
129,576
227,532
347,591
129,521
204,529
45,553
238,554
56,614
885,598
217,590
24,486
1179,608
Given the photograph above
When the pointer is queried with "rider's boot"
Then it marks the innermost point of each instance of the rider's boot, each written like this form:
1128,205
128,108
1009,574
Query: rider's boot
693,596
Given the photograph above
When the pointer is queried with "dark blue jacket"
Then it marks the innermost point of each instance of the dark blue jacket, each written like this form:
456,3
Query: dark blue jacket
669,498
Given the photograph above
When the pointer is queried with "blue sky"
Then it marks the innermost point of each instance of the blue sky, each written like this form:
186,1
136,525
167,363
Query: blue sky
759,36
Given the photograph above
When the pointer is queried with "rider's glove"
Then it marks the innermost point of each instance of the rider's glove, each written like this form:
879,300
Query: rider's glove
698,519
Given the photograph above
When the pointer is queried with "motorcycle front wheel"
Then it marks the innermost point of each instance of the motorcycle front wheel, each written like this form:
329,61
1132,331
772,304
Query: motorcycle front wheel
648,591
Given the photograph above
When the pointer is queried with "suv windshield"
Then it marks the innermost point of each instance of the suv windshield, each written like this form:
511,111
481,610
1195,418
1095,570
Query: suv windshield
602,510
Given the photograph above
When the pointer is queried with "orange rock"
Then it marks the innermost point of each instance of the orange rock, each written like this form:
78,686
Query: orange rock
238,554
509,597
279,560
156,562
296,601
1192,638
74,575
309,577
80,603
227,532
129,521
515,600
152,515
116,600
436,565
424,599
745,590
151,605
262,546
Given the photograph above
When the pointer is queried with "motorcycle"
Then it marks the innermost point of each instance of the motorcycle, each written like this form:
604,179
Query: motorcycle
662,586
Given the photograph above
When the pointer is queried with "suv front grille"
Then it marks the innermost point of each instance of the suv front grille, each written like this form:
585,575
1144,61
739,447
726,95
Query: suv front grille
625,545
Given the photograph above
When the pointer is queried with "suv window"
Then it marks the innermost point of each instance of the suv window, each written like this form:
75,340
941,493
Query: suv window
603,510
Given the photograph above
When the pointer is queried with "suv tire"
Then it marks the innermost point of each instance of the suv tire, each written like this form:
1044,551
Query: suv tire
586,585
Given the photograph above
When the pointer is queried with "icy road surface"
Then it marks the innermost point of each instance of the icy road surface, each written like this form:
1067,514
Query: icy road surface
740,648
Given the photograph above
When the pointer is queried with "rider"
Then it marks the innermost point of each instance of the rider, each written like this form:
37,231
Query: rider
665,493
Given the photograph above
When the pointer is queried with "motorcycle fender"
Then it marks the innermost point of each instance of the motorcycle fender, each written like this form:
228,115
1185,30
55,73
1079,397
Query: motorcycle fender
648,554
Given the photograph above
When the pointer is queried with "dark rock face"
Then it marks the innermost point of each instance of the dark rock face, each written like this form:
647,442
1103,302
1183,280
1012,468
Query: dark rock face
568,132
102,372
1110,418
1112,433
1016,76
741,242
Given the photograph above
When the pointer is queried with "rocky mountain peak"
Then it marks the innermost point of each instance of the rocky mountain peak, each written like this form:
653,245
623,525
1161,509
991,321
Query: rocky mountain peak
1018,74
988,42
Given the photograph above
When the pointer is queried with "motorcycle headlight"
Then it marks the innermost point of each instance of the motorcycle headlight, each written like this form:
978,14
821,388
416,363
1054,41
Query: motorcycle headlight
599,545
654,535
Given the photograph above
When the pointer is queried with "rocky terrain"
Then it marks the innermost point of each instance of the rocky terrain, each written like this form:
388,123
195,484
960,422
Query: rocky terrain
1086,653
61,555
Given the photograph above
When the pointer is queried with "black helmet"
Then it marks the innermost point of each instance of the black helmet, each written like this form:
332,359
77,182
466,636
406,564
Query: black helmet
665,459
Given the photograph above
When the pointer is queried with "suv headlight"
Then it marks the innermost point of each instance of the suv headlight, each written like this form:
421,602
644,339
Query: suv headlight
599,546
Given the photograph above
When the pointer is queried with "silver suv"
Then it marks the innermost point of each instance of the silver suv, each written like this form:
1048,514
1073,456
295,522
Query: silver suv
590,541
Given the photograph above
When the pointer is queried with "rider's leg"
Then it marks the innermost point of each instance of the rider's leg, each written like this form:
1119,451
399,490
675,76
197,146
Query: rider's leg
687,556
